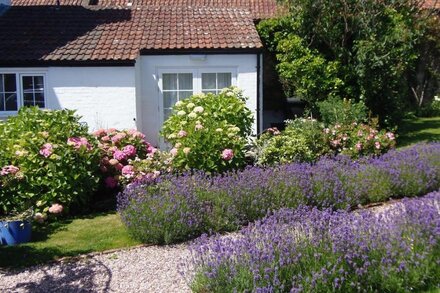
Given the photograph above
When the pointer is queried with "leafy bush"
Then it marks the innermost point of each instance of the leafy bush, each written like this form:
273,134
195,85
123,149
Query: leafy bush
118,148
358,140
302,140
342,111
307,250
432,109
47,157
209,132
175,208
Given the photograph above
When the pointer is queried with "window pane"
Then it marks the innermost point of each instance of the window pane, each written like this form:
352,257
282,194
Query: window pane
39,99
185,94
2,101
169,81
224,80
10,102
169,99
38,83
28,84
208,81
185,81
10,84
28,99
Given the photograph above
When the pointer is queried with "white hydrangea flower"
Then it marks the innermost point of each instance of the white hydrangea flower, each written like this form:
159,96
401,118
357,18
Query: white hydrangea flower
198,109
179,103
190,106
192,115
181,113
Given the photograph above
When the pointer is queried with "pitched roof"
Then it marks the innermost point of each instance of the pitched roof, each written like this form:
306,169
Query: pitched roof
259,8
77,33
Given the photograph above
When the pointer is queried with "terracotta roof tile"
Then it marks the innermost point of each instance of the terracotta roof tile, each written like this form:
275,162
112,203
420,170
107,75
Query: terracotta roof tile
259,8
76,33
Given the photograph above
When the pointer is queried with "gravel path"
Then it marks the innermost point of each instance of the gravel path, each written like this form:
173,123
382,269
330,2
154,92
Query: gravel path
143,269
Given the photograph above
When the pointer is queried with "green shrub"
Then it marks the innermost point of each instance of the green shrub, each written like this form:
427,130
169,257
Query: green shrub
432,109
56,161
358,139
208,132
302,140
342,111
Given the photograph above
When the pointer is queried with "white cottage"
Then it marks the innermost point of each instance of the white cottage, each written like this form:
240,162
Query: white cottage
125,67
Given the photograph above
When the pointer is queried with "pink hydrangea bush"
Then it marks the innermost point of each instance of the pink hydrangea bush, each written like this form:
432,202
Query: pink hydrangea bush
358,139
121,150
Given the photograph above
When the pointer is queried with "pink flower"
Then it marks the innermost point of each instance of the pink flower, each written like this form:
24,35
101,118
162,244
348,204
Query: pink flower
390,135
198,127
360,133
46,150
111,182
100,132
227,154
118,137
182,133
39,217
129,150
9,170
56,209
128,171
119,155
377,145
79,142
151,150
105,138
113,162
119,166
335,142
105,161
359,146
326,131
173,152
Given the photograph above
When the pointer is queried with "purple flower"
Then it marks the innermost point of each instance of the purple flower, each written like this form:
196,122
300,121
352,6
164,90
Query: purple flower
119,155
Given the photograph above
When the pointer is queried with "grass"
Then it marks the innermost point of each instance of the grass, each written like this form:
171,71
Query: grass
69,237
419,130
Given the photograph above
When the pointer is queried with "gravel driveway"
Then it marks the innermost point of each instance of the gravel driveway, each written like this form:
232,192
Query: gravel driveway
142,269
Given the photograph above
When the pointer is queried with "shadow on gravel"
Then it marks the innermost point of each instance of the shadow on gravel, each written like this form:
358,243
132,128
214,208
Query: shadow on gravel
86,276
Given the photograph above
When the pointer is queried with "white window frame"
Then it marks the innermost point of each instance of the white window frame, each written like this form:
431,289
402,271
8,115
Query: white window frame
197,80
18,80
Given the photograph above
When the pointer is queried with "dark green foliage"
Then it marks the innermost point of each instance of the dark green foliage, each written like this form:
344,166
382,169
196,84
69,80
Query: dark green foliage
359,50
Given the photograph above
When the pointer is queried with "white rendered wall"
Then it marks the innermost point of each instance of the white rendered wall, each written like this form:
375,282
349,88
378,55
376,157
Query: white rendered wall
149,98
105,97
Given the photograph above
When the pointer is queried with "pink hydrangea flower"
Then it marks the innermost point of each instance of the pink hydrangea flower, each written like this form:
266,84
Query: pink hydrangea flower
390,135
79,142
56,209
39,218
182,133
118,137
129,150
10,169
113,162
128,171
119,155
359,146
198,127
100,132
227,154
105,138
377,145
46,150
119,166
111,182
151,150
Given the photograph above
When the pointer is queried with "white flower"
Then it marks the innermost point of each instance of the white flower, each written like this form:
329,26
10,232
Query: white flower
179,103
171,136
219,130
186,150
177,145
230,94
198,109
192,115
181,113
190,106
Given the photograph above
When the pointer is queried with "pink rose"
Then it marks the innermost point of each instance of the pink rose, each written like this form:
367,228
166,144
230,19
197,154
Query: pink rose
46,150
227,154
129,150
359,146
128,171
119,155
377,145
111,182
182,133
56,209
390,135
9,170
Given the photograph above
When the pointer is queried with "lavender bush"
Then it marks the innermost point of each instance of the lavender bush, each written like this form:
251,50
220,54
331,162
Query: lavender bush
176,208
309,250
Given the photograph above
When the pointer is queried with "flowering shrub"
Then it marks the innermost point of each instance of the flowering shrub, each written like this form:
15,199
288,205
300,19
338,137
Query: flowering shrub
342,111
308,250
118,148
208,132
358,140
302,140
175,208
47,157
